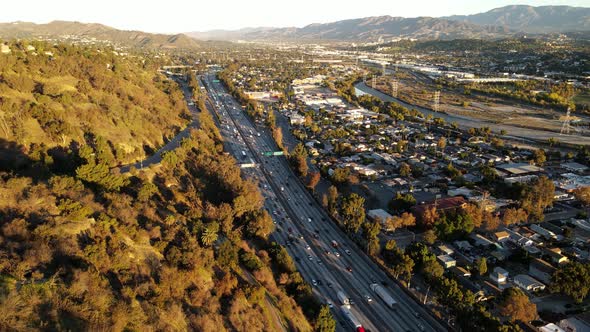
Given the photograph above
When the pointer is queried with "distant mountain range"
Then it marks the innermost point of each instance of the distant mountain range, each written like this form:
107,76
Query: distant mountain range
76,30
496,23
544,19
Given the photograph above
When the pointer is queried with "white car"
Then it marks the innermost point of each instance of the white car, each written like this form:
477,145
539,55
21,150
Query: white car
308,219
313,282
308,248
368,299
348,252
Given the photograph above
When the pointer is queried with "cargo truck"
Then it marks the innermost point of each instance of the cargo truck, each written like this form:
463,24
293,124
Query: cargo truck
384,295
344,300
358,327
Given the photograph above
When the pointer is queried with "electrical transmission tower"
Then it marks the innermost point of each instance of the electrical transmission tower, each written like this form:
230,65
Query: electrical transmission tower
436,104
394,85
374,82
383,69
567,127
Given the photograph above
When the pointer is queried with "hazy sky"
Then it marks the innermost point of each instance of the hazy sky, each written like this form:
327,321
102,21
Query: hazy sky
171,16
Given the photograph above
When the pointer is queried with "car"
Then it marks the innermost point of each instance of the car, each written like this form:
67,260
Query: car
301,236
308,219
336,253
421,327
327,252
368,299
309,257
319,282
349,269
348,252
330,285
308,247
297,259
313,282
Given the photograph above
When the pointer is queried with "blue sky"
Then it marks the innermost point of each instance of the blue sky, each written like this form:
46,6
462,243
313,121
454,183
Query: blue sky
172,16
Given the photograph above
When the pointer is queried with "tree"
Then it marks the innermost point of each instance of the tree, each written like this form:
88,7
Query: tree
537,196
325,321
404,220
353,212
260,224
442,143
333,200
405,170
209,235
514,216
539,157
277,134
313,180
516,306
432,268
429,237
429,216
583,195
401,202
481,265
371,231
572,279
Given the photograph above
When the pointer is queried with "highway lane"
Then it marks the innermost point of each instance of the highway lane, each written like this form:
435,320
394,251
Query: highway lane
355,284
359,295
309,269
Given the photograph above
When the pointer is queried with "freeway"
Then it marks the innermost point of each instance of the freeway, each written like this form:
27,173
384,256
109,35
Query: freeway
307,231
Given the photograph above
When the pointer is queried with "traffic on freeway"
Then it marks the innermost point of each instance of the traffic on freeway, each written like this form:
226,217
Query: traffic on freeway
361,295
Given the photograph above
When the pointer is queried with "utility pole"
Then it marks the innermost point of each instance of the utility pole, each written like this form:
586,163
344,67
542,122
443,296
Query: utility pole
394,86
566,126
436,104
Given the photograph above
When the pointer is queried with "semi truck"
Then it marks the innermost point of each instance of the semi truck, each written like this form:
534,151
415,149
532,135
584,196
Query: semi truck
384,295
358,327
344,299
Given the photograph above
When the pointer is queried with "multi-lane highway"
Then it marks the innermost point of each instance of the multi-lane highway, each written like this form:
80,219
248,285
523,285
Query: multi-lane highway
305,229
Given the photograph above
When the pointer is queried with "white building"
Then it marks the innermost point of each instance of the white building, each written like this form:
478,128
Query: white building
528,283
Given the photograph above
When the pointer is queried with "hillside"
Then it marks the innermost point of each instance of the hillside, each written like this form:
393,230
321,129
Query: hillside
542,19
76,31
54,97
182,246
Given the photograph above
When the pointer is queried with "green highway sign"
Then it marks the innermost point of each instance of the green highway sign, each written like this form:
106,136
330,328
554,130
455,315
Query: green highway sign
273,153
215,81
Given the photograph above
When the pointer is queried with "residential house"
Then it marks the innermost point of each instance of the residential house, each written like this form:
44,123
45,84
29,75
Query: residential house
541,270
555,256
528,283
499,275
501,236
577,323
446,261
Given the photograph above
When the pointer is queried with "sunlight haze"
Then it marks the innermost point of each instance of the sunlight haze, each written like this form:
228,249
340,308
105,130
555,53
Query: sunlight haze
176,16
